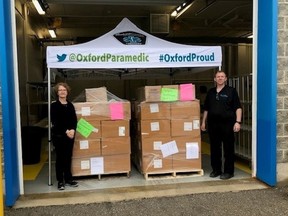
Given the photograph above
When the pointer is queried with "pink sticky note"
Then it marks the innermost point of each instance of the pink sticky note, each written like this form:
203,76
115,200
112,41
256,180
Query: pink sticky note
116,110
187,92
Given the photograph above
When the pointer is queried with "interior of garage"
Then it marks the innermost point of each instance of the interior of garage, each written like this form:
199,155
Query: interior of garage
224,23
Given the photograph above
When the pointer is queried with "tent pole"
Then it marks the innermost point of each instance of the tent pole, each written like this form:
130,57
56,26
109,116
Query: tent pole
49,127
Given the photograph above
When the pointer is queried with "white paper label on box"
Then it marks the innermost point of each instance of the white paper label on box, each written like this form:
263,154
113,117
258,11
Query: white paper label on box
188,126
121,131
97,165
85,111
157,145
85,164
154,108
155,126
84,144
169,148
157,163
95,130
192,150
196,124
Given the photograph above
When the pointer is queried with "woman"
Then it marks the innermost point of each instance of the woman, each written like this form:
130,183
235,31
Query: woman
64,122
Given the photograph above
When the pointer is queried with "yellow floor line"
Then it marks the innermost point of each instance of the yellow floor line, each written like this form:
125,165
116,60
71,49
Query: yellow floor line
240,165
30,172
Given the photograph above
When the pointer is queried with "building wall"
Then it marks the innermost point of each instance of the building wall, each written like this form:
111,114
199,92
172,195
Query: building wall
1,131
282,98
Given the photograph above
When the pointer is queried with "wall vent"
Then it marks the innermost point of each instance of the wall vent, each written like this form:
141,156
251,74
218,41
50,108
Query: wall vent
159,23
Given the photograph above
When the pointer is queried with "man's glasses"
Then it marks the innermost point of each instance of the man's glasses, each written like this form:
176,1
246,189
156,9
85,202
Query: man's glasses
217,96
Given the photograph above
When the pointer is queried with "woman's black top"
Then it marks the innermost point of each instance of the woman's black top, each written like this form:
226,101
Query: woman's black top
63,117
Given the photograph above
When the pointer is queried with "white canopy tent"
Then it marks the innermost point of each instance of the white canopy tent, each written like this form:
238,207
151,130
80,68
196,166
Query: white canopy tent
127,46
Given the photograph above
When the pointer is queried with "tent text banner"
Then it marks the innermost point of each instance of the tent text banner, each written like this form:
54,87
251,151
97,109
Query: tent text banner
135,49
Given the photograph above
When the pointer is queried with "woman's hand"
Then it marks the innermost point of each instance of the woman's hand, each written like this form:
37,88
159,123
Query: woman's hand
70,133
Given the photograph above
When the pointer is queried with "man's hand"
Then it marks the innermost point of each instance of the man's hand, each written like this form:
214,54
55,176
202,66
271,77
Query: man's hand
237,127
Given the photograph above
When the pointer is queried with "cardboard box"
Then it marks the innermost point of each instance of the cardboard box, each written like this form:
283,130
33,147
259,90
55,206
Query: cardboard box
181,163
187,143
155,164
117,128
103,110
119,110
83,133
187,92
170,86
153,110
92,110
96,165
87,147
152,144
115,145
96,94
169,93
159,128
158,93
83,166
149,93
185,127
185,109
117,163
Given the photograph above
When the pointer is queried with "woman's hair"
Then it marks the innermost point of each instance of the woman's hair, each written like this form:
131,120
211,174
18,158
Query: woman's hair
65,85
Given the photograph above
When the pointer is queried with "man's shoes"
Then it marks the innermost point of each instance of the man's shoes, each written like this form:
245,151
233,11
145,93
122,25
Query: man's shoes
214,174
61,186
72,183
226,176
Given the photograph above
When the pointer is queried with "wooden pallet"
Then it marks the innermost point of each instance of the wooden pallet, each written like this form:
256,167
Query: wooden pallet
173,174
112,174
115,174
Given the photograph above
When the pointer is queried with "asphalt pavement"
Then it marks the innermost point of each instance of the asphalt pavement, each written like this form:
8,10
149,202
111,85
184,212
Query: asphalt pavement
267,201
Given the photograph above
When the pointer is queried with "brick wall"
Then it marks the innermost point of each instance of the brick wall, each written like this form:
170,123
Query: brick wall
282,94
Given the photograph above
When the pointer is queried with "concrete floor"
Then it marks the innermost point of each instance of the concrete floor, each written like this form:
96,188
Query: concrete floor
122,187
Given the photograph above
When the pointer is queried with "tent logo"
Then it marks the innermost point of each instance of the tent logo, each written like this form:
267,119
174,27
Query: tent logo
61,58
130,38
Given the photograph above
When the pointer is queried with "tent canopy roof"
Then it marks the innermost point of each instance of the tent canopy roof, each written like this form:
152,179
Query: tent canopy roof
127,46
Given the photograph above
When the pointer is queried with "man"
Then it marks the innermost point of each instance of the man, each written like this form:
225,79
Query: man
222,113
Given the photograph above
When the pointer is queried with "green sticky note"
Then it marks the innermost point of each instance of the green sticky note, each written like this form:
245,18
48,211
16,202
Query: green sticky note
169,94
84,127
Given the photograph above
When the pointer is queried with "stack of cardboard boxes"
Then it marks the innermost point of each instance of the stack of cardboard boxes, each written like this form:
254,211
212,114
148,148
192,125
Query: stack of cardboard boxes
168,138
102,142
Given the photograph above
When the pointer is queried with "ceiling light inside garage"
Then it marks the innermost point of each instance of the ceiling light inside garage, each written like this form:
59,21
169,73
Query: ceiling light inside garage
182,8
52,33
41,6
